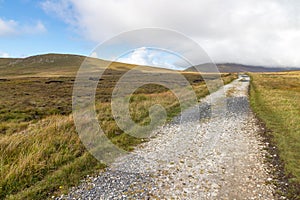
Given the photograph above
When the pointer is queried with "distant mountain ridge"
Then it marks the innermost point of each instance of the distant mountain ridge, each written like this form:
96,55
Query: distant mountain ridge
234,67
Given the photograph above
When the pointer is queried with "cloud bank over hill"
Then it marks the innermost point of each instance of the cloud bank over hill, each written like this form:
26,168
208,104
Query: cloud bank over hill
251,32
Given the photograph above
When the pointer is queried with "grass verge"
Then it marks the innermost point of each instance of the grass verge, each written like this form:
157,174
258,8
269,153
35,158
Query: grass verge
275,98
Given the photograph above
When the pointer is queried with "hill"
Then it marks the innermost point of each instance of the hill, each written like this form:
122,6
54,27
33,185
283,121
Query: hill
52,65
41,65
233,67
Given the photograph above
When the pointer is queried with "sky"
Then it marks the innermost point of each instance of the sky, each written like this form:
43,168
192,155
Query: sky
250,32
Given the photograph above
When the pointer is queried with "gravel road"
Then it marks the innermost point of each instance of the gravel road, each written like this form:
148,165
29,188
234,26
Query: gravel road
217,154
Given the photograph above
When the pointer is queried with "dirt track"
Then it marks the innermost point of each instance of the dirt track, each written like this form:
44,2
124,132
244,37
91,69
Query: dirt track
217,154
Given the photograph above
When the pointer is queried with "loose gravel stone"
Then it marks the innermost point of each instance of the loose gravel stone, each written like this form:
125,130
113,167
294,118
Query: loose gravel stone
212,151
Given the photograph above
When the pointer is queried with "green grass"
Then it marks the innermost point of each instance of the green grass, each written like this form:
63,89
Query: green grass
275,97
40,152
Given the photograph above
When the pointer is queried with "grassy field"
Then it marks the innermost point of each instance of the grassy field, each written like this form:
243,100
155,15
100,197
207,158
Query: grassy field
40,152
275,97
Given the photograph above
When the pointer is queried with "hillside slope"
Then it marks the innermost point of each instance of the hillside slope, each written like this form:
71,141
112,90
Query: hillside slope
51,65
40,65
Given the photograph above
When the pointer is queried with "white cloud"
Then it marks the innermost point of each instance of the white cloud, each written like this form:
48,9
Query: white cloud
37,28
249,31
4,55
12,27
138,56
62,9
7,27
151,57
